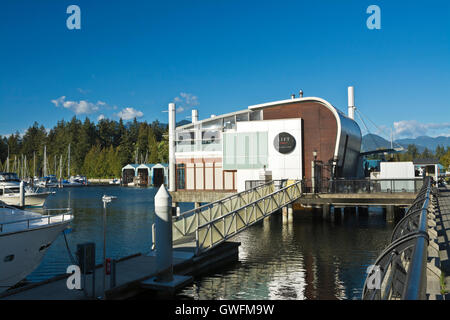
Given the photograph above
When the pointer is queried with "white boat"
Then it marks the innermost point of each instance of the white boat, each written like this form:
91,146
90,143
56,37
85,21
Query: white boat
115,181
48,182
75,181
25,237
10,192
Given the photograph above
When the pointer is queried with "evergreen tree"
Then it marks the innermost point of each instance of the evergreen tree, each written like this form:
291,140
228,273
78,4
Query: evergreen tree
153,147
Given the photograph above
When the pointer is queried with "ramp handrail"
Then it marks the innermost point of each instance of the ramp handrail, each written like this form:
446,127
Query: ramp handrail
401,267
188,222
212,233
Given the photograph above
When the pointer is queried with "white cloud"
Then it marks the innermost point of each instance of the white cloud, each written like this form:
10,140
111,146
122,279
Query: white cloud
185,101
59,101
413,129
101,117
80,107
130,113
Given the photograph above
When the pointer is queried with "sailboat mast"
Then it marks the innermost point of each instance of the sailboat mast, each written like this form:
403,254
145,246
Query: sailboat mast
60,167
45,161
7,162
25,167
68,165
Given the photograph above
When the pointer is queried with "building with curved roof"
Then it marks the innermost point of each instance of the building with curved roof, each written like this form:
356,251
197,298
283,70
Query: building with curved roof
297,138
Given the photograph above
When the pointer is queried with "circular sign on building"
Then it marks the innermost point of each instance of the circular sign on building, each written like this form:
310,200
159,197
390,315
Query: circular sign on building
284,143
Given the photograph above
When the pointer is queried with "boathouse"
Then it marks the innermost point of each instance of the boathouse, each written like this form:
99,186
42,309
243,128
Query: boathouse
299,138
128,173
146,174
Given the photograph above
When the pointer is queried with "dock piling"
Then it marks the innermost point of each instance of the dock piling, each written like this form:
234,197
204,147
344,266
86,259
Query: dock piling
163,234
22,195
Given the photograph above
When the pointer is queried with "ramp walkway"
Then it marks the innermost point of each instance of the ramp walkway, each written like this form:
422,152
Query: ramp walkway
206,227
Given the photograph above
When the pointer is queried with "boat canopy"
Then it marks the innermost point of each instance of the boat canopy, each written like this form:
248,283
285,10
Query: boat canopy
8,176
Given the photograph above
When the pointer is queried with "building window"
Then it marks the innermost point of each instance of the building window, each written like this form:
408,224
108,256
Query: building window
255,115
242,117
181,176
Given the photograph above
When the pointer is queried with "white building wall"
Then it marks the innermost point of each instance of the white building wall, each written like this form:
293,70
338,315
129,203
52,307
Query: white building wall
190,176
283,166
397,170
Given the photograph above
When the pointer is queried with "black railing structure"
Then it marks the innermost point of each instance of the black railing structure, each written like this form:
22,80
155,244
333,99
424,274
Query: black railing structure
399,273
412,185
251,184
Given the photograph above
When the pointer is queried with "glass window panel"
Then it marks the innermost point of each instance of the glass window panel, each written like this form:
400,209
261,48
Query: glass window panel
242,117
181,177
185,137
212,124
245,150
210,137
255,115
229,123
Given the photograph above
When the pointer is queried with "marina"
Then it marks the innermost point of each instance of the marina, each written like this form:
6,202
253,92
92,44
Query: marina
129,233
227,152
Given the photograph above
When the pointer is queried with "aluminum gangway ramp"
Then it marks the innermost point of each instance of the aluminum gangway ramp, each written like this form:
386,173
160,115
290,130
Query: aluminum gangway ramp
208,226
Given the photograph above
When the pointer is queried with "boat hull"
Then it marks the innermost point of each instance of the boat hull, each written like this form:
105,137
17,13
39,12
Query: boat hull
27,247
31,199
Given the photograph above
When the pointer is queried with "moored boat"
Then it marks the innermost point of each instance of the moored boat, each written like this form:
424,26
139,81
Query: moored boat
25,237
10,192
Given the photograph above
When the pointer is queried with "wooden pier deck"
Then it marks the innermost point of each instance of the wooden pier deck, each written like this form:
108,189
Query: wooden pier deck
443,228
130,272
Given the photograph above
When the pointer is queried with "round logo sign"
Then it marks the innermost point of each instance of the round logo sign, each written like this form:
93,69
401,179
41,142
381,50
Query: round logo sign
284,142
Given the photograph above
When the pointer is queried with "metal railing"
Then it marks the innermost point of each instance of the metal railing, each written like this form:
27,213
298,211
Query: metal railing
412,185
212,233
33,222
401,267
250,184
187,223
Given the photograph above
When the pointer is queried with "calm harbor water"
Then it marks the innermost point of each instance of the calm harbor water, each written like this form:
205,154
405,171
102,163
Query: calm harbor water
295,257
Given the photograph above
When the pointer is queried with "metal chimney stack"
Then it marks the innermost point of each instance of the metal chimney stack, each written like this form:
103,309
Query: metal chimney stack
194,116
351,103
300,94
292,96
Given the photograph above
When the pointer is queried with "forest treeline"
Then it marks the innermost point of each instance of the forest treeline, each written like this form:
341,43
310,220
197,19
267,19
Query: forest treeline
96,150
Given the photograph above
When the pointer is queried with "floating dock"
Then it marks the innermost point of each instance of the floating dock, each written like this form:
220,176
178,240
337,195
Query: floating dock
131,273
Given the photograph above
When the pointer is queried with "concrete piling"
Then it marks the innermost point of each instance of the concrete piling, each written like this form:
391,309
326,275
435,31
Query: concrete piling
390,213
325,211
337,213
163,235
22,194
363,211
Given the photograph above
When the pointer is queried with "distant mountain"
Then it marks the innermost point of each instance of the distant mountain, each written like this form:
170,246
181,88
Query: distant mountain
182,123
178,124
372,142
427,142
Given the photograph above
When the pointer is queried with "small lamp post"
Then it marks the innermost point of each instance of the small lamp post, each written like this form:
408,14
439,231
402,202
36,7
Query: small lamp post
106,199
313,172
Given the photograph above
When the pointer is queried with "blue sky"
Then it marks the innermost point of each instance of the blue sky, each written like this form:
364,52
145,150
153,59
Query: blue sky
134,57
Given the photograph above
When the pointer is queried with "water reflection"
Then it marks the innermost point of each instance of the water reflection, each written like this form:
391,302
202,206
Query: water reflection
299,256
